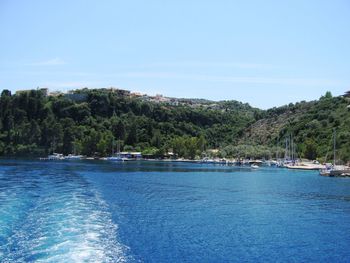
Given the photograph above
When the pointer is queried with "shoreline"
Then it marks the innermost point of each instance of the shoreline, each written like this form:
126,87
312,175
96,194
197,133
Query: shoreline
304,166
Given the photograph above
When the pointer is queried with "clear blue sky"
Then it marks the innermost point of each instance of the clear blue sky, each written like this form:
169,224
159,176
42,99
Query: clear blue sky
267,53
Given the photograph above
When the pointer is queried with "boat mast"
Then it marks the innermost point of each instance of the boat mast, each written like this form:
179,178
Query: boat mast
113,146
334,142
118,146
53,144
291,147
286,151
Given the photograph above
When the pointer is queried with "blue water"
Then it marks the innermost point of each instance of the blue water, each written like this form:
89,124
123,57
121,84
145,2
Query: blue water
95,211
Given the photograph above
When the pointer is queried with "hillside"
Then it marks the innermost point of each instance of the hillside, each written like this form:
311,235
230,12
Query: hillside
310,123
91,121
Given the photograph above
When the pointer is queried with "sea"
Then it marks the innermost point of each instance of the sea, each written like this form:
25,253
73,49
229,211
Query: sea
143,211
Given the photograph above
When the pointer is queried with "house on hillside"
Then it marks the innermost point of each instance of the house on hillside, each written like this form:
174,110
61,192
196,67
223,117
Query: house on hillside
347,95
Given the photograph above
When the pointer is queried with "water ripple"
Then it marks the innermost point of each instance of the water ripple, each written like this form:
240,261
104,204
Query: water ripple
55,219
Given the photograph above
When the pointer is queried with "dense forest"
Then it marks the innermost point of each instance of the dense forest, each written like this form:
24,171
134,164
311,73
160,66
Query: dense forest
92,121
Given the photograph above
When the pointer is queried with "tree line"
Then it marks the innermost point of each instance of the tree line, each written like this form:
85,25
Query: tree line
93,121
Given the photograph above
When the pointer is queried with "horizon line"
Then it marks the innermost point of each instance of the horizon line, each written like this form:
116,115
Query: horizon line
53,90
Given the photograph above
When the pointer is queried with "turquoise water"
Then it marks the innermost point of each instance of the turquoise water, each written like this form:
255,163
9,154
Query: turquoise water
94,211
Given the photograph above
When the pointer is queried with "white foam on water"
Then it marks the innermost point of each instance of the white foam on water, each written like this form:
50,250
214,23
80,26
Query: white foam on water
12,212
67,226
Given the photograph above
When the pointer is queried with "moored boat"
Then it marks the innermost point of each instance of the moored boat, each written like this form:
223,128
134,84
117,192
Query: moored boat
305,166
116,159
55,156
73,157
335,170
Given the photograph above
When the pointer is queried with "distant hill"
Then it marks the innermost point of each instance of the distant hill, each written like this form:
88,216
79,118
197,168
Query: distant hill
310,123
91,121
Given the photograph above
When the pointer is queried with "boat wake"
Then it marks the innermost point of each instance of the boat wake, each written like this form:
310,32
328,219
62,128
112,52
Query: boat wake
58,220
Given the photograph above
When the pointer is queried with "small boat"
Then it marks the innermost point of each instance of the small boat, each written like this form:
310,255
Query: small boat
55,156
272,163
207,160
116,159
254,166
305,166
73,157
338,171
332,170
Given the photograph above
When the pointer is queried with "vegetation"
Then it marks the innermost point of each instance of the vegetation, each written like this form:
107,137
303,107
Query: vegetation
310,123
91,122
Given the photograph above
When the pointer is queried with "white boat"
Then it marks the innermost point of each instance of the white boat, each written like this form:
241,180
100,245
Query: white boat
213,161
272,163
55,156
254,166
305,165
338,170
116,159
73,157
333,169
207,160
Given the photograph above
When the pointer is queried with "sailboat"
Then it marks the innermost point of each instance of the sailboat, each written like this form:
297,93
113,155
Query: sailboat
289,155
333,169
54,156
73,156
116,158
254,166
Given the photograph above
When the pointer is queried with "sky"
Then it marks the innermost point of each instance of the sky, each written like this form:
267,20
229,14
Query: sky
267,53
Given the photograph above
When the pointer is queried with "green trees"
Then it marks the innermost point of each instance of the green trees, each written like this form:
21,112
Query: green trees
106,143
132,138
85,122
311,124
310,151
88,121
156,140
188,147
328,95
250,151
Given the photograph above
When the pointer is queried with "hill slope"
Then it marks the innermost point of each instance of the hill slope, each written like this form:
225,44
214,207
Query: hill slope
310,123
90,121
